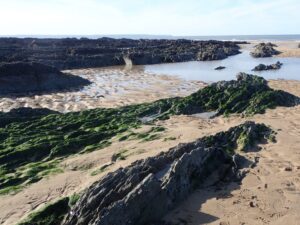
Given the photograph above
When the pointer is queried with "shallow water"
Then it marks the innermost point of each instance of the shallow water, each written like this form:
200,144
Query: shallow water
204,71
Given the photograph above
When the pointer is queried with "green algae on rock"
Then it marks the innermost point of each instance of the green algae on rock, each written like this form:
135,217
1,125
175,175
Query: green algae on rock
227,142
143,192
53,136
51,214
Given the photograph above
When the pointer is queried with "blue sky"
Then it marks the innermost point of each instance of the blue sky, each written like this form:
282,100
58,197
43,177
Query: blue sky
177,17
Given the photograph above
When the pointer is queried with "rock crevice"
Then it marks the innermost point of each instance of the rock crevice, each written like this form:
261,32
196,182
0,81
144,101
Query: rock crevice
138,195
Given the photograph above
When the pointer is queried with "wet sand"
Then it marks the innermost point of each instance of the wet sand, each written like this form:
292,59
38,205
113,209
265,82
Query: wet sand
111,87
273,190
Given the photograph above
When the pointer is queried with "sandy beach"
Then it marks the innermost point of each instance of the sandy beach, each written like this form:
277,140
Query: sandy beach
268,195
111,87
272,187
287,48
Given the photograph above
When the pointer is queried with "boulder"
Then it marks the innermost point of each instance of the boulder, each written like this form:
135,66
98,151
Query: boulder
21,78
220,68
262,67
264,50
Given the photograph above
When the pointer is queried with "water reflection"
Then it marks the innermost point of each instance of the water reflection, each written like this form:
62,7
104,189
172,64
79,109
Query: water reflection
204,71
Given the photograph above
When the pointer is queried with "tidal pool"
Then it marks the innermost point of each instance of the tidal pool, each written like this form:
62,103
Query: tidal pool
205,71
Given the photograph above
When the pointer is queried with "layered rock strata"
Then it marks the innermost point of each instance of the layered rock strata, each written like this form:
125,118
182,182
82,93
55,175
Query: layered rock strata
71,53
145,191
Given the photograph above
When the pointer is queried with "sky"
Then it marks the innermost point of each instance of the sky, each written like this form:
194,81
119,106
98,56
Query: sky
155,17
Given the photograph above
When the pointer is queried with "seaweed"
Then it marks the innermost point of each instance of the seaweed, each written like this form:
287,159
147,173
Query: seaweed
44,139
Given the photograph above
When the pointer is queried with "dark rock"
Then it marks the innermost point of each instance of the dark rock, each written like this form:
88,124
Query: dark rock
73,53
261,67
289,169
23,114
220,68
145,191
20,77
264,50
252,204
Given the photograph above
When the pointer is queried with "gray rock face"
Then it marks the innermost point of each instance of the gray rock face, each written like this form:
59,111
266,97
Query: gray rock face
71,53
20,77
145,191
261,67
264,50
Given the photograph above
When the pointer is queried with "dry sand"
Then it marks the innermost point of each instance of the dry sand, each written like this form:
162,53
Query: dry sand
270,193
275,192
287,48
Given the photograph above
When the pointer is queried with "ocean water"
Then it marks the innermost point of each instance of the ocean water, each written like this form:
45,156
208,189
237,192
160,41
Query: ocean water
205,71
283,37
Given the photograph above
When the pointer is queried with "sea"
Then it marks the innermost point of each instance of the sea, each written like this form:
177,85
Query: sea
280,37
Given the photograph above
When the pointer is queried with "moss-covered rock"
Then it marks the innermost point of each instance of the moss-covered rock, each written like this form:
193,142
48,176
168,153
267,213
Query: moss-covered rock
53,136
143,192
51,214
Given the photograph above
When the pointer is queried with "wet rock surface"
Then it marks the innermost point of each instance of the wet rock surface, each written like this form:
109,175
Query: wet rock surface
145,191
262,67
220,68
264,50
46,138
71,53
23,114
20,77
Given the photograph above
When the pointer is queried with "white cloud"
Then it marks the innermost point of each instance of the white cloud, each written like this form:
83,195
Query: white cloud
189,17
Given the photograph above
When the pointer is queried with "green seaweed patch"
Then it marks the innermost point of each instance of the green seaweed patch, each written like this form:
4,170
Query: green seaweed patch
52,136
73,199
150,135
100,170
93,147
244,137
121,155
13,181
51,214
170,139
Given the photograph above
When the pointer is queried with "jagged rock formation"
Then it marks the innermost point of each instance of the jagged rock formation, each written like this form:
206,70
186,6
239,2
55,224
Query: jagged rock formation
220,68
72,53
55,136
264,50
145,191
261,67
20,77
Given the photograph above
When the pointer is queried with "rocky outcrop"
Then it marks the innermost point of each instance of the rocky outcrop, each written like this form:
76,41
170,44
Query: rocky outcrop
20,77
264,50
145,191
220,68
60,135
261,67
23,114
73,53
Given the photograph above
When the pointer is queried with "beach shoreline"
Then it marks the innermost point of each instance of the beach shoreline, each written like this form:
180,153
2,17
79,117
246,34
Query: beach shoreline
117,86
